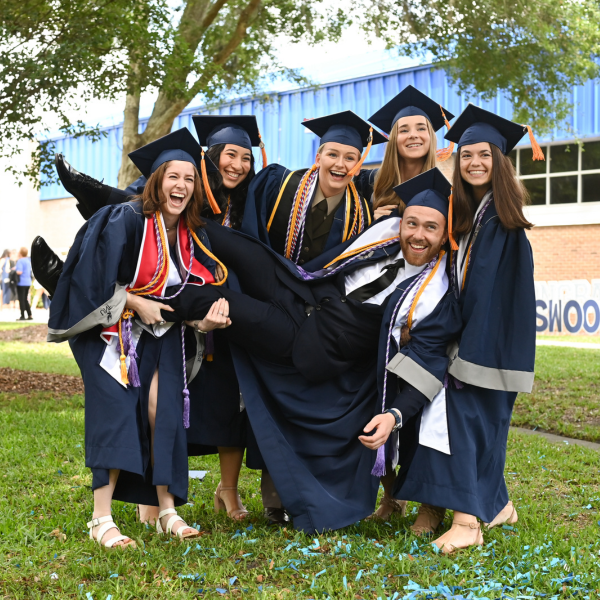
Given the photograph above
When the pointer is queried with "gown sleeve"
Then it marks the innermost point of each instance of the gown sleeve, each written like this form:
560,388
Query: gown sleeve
261,199
101,262
423,362
364,183
497,345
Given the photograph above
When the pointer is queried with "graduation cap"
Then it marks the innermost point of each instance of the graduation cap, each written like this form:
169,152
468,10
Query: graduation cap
178,145
346,128
410,102
475,125
429,189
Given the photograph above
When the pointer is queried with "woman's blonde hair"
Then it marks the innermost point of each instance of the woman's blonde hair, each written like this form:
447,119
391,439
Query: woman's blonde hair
388,175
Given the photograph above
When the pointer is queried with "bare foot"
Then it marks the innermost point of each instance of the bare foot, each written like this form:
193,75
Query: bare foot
232,503
147,514
428,519
460,535
388,506
507,515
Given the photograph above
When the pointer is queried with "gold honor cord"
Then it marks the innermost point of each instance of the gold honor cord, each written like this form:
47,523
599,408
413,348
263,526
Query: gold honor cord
359,250
211,255
422,289
278,200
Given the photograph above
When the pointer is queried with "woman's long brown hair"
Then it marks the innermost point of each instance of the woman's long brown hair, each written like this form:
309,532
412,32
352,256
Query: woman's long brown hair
388,176
510,195
152,197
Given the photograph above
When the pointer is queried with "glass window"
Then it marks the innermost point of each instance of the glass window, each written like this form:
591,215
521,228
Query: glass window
563,190
564,158
590,187
590,156
513,158
532,167
536,189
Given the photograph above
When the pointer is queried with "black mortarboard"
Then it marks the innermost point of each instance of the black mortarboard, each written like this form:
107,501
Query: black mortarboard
240,130
178,145
410,102
346,128
475,125
429,189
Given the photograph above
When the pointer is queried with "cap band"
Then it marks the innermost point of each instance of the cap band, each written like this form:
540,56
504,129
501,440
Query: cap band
410,111
167,155
229,133
483,132
343,134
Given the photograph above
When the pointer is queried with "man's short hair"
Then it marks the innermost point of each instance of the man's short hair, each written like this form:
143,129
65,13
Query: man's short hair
23,252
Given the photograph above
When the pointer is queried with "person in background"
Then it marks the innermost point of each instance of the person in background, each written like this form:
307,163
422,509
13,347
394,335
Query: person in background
40,294
23,270
5,266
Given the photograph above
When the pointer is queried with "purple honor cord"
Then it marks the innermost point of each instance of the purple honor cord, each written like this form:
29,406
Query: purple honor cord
379,466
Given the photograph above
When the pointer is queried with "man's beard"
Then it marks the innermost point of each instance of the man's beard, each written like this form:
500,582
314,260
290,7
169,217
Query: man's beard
420,259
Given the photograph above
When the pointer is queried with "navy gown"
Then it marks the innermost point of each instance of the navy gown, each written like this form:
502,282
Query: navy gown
492,361
90,296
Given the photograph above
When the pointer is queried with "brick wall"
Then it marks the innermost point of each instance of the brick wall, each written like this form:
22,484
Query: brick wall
563,253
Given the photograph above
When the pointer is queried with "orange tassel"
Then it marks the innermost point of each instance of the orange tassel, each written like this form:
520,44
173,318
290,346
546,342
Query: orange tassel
538,153
211,199
445,153
453,243
358,165
263,151
209,358
124,377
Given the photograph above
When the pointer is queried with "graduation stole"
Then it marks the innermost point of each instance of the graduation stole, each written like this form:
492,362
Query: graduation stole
227,218
301,202
410,297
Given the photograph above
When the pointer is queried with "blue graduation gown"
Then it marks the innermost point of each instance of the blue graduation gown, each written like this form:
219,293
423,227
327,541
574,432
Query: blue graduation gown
497,354
90,296
364,182
262,196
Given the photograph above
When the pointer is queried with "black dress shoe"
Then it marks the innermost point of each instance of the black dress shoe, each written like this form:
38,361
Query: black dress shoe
277,516
45,264
91,194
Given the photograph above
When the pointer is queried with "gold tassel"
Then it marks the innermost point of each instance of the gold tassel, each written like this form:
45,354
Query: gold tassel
453,243
538,153
359,164
262,149
209,195
445,153
124,377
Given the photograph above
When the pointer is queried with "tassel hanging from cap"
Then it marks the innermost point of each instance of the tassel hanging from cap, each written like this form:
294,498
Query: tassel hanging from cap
538,153
453,243
262,150
358,165
445,153
211,199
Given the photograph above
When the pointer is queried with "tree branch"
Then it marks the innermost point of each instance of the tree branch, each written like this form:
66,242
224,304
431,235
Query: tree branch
247,15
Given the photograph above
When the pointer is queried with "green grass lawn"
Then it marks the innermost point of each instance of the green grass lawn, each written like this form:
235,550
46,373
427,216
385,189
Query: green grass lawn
8,326
43,357
552,551
591,339
566,394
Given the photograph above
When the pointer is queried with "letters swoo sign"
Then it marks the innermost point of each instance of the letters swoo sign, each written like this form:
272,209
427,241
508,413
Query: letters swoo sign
568,306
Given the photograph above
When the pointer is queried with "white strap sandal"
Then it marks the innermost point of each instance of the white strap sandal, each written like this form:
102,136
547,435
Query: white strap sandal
174,519
108,523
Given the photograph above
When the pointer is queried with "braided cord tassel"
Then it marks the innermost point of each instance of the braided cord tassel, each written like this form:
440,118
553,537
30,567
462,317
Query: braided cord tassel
445,153
186,392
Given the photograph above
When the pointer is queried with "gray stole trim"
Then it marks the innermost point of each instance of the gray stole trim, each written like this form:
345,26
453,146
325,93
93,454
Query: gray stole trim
192,366
106,315
413,373
487,377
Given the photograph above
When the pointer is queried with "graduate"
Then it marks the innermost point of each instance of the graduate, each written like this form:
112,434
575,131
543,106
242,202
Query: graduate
493,359
411,120
308,366
301,214
132,361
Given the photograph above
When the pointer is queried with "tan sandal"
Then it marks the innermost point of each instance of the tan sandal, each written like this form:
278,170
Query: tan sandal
174,519
428,519
238,514
106,524
449,548
501,519
387,507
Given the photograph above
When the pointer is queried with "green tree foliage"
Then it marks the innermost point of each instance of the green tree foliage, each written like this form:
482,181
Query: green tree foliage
59,53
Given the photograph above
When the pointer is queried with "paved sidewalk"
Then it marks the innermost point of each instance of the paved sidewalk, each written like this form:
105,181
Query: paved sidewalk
557,439
9,315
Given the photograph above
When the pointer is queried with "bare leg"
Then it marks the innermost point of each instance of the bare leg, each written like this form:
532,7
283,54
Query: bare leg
36,298
165,499
465,532
230,459
102,508
507,515
389,504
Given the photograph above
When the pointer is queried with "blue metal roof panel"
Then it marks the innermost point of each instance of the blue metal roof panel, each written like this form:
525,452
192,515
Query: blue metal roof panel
279,116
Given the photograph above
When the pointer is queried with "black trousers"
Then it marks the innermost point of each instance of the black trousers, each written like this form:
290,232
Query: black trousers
22,291
264,320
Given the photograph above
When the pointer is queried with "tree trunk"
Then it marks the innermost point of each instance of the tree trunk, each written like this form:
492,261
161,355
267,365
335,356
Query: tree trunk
128,172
